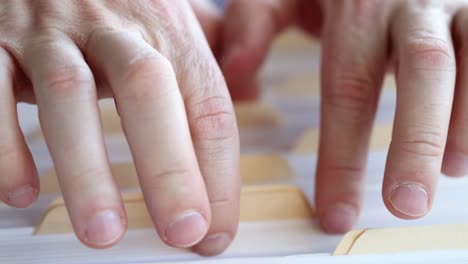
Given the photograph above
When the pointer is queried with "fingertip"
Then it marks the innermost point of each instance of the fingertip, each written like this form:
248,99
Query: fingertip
25,191
242,60
213,245
247,36
339,218
239,65
409,200
186,230
104,229
455,164
21,197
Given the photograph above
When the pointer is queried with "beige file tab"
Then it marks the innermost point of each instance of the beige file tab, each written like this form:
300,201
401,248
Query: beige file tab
295,39
248,114
110,121
254,169
258,203
307,85
264,168
404,239
253,114
309,141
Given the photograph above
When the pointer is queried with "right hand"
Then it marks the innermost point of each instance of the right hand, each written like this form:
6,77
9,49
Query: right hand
425,42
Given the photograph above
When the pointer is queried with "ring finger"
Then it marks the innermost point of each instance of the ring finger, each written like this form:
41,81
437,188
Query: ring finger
456,153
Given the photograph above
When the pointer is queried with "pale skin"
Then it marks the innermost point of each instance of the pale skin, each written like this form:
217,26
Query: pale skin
154,60
424,42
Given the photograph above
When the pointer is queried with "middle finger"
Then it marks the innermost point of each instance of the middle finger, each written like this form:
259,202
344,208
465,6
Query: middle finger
156,126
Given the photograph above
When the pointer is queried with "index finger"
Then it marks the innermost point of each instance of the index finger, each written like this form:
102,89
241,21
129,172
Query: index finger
425,85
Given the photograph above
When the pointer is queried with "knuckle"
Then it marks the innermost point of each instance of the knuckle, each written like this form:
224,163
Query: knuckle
224,193
346,180
213,119
142,73
178,172
175,18
224,200
69,81
430,54
351,174
351,94
424,143
145,65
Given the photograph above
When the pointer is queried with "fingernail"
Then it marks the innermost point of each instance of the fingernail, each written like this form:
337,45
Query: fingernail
410,199
213,244
104,228
339,218
23,196
455,164
187,230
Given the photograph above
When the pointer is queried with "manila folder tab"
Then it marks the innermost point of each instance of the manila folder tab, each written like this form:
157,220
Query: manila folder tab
258,203
254,169
404,239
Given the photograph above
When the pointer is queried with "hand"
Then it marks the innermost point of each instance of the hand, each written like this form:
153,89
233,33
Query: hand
152,57
360,39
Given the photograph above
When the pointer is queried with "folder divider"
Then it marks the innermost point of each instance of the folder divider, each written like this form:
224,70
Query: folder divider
258,203
254,169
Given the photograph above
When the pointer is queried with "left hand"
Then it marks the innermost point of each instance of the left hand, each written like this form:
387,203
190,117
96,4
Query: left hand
427,44
175,108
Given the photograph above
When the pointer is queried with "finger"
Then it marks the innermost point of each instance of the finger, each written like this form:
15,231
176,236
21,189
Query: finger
68,112
425,85
214,131
249,29
350,91
455,162
155,124
19,184
215,136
